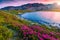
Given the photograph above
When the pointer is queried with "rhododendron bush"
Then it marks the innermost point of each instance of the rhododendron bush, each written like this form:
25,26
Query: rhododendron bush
13,28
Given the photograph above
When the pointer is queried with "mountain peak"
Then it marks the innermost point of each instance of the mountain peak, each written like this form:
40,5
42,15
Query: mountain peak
29,6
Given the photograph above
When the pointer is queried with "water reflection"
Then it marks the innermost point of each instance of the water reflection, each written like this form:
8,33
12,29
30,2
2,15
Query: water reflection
52,18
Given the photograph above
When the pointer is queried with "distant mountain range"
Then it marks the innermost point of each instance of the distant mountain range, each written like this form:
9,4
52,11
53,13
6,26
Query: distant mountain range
30,6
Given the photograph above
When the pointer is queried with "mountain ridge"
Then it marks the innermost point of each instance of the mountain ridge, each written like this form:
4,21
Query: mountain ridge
30,6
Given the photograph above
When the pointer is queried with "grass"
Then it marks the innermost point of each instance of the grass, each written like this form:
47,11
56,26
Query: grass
13,28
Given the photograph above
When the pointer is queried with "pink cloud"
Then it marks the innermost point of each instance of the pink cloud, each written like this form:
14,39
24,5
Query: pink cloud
20,2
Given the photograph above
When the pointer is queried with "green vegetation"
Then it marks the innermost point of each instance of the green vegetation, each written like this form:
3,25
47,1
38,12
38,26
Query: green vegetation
14,28
5,33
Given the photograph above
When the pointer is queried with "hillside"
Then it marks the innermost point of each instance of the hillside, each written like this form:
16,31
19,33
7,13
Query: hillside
33,7
14,28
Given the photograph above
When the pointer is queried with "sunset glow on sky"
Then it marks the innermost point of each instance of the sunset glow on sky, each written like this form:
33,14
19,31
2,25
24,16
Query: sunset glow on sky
4,3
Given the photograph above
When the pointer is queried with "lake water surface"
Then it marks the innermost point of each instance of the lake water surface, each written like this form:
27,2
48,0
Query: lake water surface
43,16
50,16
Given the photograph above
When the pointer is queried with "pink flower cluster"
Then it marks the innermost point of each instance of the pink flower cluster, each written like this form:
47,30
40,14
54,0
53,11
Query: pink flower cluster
36,32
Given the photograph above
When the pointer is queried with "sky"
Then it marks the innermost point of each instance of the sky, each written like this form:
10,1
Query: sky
4,3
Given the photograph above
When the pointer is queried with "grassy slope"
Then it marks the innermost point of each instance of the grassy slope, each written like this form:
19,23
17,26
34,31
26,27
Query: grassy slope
13,28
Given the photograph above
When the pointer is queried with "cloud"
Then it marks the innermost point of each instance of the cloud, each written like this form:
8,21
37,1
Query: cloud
3,1
25,0
21,0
